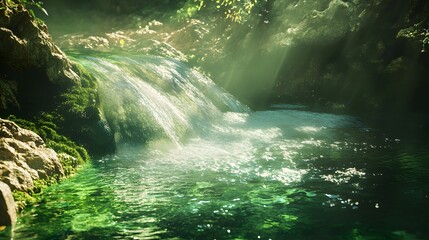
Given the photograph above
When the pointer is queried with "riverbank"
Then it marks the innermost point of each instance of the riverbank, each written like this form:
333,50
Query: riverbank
54,122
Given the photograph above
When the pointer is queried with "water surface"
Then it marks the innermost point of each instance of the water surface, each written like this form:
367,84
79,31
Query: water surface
277,174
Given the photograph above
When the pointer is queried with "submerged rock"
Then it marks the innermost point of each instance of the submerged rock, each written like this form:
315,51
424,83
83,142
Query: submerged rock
24,158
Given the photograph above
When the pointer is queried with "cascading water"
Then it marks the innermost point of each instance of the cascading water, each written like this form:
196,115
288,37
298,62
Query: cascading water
228,173
147,97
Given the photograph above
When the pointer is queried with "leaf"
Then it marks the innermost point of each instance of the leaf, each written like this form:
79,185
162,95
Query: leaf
201,5
44,11
32,13
310,194
39,6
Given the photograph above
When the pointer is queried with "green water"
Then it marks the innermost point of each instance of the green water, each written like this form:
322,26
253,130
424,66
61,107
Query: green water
275,174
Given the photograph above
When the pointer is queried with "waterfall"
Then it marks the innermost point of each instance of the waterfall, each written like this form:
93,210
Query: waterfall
145,98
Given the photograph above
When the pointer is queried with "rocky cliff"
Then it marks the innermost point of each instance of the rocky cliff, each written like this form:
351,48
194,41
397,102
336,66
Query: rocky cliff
27,44
29,61
36,77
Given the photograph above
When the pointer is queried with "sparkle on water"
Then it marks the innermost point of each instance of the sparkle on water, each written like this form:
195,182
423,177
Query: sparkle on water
284,173
251,176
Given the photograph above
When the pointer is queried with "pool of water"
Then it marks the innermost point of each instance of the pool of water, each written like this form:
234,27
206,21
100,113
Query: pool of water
277,174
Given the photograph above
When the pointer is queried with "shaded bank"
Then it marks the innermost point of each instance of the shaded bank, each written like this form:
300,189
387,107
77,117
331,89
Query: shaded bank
36,77
42,90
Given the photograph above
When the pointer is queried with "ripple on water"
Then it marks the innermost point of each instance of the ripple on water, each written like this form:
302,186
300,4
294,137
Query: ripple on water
283,174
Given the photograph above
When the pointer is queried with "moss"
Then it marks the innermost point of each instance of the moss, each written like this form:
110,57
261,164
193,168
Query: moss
80,101
48,132
68,162
83,153
69,150
78,115
22,199
70,154
41,184
75,115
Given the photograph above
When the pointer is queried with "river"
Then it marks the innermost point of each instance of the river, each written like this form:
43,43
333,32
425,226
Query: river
207,167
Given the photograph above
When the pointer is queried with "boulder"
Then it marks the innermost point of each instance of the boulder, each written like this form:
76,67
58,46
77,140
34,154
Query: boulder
7,206
24,158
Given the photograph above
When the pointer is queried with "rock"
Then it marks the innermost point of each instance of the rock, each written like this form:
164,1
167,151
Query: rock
26,44
7,206
30,63
37,77
8,91
24,157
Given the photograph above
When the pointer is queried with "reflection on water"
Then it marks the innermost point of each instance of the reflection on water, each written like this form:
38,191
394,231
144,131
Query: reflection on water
283,174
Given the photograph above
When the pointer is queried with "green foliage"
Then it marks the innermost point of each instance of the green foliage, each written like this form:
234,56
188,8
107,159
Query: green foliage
189,9
235,10
69,149
41,184
78,117
417,33
75,114
425,39
68,163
